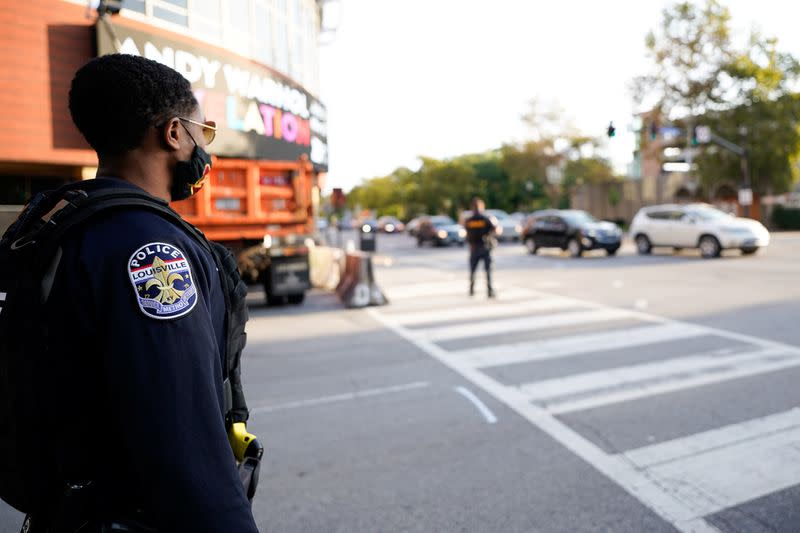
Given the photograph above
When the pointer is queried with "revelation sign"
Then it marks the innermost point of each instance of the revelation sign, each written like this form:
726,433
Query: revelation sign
260,114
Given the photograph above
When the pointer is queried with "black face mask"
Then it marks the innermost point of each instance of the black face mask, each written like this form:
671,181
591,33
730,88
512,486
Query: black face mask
190,175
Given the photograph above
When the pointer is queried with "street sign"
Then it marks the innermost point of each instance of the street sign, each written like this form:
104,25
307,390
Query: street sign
554,174
703,134
670,132
745,197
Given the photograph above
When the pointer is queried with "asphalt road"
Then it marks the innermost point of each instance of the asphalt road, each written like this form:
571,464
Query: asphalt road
625,394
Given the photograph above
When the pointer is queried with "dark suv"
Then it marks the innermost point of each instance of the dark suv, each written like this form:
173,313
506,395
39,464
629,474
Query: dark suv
571,230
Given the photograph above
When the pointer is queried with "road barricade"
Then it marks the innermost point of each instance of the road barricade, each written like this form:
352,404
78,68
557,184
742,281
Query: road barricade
357,287
326,266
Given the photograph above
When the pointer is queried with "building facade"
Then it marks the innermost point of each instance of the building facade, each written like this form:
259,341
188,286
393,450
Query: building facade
253,65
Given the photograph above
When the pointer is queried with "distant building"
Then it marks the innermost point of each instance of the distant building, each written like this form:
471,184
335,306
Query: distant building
254,65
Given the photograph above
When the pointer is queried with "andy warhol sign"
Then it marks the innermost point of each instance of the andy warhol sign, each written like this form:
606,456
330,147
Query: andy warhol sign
260,114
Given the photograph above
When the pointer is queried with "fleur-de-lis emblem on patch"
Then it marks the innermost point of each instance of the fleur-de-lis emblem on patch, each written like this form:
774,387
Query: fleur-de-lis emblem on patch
162,279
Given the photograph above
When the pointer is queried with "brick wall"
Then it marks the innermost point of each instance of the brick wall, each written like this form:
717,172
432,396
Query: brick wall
42,44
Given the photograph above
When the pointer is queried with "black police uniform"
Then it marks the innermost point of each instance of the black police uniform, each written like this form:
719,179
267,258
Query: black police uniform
480,235
139,305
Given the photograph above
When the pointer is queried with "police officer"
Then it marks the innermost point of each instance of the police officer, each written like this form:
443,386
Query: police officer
481,237
138,304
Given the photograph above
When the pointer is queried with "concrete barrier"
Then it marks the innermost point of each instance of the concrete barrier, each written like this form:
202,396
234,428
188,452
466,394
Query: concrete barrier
357,287
326,266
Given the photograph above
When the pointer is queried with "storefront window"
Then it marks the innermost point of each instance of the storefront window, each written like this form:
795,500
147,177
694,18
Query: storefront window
239,15
205,19
170,16
133,5
262,37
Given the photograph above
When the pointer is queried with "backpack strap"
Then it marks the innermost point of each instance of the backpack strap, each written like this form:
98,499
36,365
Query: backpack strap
78,206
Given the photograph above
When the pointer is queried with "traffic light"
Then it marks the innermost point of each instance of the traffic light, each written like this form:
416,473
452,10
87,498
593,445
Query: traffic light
611,131
653,130
693,136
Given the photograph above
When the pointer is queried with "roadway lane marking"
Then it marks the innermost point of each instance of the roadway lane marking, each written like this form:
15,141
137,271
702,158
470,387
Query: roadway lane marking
720,478
434,288
457,299
524,352
483,310
533,323
487,414
771,360
613,379
707,441
341,397
456,287
618,469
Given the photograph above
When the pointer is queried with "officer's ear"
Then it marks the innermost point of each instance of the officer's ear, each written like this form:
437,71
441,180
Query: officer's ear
171,134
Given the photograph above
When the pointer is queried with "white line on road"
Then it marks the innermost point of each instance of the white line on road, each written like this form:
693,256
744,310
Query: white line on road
341,397
487,414
531,323
671,370
482,310
721,478
523,352
736,371
683,447
427,289
615,468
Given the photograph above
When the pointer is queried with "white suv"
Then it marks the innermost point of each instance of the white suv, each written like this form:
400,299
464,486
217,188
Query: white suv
696,226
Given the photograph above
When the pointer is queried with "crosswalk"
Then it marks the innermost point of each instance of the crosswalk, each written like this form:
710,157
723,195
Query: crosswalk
514,348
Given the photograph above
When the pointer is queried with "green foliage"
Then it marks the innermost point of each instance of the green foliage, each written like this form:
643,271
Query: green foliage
690,53
745,96
772,142
786,218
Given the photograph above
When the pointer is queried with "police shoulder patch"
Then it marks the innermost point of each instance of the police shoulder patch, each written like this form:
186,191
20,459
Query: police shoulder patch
162,281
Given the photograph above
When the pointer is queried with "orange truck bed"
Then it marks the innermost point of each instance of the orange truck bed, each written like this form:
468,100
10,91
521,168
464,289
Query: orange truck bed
243,202
246,200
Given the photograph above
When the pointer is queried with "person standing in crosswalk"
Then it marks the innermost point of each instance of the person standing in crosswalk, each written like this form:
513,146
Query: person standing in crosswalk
481,237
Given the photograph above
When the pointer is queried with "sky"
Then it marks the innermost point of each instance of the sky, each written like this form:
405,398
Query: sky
441,78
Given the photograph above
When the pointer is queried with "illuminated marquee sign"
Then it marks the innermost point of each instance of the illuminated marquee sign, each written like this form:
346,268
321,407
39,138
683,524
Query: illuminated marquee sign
260,114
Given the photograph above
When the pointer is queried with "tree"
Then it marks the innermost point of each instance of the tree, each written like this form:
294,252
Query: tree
690,54
698,78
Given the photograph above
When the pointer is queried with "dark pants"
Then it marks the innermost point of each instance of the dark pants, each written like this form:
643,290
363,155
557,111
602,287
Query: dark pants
475,257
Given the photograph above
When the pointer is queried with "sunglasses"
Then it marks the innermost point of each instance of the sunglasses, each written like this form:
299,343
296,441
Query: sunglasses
209,128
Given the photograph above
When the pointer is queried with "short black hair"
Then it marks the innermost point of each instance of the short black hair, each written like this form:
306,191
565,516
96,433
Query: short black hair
115,98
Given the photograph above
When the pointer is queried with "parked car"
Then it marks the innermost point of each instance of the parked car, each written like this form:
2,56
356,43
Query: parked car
696,226
390,225
413,225
440,231
371,222
571,230
508,228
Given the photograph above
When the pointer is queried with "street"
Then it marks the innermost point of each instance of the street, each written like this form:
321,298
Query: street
600,394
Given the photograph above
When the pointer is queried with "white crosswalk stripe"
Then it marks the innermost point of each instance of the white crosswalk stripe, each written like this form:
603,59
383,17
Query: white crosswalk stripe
725,467
533,323
580,344
683,480
481,311
672,371
767,361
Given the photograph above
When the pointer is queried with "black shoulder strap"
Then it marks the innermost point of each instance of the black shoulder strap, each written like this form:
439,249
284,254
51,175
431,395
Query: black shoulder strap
78,206
103,200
